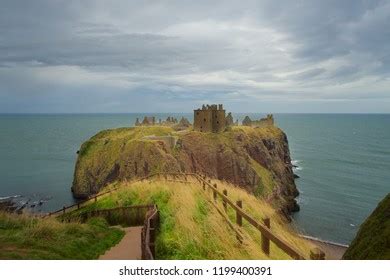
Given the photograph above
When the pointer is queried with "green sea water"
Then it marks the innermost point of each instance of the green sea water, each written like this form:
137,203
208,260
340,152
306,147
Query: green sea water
343,162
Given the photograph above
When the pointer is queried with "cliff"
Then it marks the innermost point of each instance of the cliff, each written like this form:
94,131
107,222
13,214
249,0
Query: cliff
372,241
256,159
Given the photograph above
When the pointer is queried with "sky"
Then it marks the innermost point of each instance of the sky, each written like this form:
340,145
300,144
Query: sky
287,56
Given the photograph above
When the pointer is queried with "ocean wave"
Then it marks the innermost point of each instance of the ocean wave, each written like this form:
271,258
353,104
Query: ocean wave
9,197
295,161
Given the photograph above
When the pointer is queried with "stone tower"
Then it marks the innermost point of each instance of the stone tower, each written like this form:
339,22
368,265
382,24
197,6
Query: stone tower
211,118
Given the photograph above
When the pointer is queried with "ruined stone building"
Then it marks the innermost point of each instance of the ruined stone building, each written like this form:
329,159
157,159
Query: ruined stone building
211,118
229,119
146,121
264,122
169,121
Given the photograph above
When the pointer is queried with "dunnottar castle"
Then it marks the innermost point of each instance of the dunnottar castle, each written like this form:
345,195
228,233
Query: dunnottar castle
209,118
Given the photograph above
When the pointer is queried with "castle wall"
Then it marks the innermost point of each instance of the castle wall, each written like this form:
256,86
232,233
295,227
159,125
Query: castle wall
260,123
219,121
203,120
264,122
210,118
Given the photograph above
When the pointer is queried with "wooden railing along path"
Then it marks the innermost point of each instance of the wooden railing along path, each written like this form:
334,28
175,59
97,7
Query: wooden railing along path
149,234
264,228
82,203
146,216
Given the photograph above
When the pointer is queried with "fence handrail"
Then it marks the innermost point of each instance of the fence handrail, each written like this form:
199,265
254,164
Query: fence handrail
266,232
93,197
149,252
263,229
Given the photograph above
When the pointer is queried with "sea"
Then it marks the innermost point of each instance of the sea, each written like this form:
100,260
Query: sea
343,161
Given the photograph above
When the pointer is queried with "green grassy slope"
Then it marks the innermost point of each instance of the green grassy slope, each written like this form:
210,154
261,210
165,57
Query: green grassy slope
372,242
191,228
24,237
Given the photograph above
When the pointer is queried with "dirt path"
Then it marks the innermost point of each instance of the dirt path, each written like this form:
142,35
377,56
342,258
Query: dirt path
129,248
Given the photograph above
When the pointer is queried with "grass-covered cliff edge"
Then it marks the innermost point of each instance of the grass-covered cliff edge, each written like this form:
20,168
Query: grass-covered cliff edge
372,242
256,159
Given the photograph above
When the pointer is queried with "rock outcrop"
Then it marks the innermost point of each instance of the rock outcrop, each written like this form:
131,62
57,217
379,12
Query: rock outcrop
256,159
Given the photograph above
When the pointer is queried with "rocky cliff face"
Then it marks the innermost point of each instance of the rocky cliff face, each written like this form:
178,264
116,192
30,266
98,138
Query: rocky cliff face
256,159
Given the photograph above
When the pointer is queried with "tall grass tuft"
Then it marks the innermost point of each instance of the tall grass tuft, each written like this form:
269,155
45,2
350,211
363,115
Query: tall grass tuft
25,237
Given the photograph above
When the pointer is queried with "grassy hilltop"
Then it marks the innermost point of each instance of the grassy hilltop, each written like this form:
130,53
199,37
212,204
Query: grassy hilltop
256,159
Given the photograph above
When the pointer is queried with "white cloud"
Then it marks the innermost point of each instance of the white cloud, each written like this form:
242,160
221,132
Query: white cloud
232,51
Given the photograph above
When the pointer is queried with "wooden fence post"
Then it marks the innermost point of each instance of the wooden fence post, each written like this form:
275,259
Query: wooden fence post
238,215
264,240
204,186
215,193
63,210
224,200
317,254
95,198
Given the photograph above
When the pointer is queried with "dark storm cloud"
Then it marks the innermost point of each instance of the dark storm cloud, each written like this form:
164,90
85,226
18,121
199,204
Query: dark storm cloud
182,52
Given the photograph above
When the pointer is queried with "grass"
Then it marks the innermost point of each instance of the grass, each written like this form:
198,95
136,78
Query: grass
116,154
24,237
266,184
372,242
102,156
191,228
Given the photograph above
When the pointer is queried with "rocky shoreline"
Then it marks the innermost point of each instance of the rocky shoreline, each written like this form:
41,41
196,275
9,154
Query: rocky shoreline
19,204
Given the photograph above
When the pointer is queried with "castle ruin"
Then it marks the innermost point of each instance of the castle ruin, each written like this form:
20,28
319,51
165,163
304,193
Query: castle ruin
264,122
211,118
148,121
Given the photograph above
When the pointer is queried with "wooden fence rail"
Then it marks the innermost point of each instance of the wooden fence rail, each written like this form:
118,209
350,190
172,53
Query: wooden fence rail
94,198
264,228
135,215
149,234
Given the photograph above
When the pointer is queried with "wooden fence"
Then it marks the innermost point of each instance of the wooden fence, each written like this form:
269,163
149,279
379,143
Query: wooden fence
128,216
149,234
263,227
94,198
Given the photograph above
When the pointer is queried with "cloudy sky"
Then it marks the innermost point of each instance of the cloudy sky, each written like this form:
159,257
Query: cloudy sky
170,56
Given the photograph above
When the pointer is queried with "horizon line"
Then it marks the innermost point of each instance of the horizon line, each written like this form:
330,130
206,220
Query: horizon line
123,113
